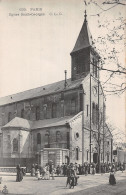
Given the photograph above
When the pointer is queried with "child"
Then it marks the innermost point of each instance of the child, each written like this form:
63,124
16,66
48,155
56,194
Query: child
53,172
38,174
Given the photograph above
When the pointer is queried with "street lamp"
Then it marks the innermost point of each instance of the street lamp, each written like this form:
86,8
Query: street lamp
48,135
20,139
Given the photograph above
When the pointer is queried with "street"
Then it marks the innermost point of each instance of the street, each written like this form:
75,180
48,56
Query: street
91,184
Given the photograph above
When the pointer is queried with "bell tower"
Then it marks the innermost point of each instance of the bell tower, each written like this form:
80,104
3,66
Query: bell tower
84,58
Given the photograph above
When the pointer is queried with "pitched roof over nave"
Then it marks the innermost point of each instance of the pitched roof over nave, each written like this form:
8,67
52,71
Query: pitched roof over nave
41,91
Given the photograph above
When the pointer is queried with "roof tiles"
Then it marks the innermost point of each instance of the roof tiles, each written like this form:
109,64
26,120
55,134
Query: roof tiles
40,91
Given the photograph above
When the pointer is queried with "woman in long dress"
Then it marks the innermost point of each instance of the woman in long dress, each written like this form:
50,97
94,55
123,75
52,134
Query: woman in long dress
47,173
33,170
19,176
112,180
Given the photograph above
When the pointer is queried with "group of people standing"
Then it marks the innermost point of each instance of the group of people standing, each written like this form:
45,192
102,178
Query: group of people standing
43,172
90,168
65,170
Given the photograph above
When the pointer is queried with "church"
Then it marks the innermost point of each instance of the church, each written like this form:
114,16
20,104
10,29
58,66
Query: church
62,122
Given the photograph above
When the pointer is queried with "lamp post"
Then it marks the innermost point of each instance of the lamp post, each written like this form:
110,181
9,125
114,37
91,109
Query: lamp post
90,145
83,93
48,135
99,151
20,138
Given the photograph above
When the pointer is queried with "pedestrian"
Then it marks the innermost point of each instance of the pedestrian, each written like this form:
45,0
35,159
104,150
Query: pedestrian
112,180
64,169
36,167
40,169
58,170
91,169
33,170
47,174
79,168
121,168
38,174
19,175
44,173
24,171
53,172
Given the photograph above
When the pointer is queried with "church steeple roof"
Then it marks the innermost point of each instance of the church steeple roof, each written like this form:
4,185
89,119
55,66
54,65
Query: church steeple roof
84,39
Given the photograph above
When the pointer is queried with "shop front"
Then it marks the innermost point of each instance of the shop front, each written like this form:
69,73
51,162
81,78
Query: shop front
55,155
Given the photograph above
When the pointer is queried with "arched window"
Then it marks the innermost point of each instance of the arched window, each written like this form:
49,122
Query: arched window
45,110
54,108
38,138
73,106
81,101
96,115
87,155
93,113
68,140
9,116
22,113
15,145
58,136
77,153
37,113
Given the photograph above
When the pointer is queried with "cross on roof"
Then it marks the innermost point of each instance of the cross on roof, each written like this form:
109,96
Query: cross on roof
85,17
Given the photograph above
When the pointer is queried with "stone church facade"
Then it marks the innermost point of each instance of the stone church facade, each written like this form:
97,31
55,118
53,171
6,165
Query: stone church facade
61,122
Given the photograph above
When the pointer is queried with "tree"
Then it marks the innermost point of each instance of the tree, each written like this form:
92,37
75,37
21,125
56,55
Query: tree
110,43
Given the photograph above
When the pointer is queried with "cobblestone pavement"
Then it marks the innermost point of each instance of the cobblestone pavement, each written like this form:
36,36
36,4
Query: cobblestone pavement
91,184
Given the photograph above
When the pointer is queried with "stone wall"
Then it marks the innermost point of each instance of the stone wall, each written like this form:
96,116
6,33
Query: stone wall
76,140
23,143
55,140
45,104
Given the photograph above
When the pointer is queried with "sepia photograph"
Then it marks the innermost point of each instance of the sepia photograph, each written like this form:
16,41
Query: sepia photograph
63,97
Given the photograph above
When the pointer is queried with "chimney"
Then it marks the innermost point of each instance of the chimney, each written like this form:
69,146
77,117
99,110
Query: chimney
65,84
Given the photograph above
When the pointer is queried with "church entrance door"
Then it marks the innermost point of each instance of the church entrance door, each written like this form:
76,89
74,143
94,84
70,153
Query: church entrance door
95,157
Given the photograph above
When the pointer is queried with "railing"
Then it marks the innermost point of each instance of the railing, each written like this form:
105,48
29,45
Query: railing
8,169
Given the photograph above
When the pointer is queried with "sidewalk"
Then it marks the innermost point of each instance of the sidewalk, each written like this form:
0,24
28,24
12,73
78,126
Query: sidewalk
30,185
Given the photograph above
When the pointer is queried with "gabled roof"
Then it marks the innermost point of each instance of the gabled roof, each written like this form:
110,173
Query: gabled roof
40,91
18,123
84,39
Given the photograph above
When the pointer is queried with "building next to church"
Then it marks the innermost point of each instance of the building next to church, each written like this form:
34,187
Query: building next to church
61,122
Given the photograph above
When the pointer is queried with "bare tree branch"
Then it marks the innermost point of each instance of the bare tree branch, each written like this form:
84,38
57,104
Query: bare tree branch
108,78
114,71
114,2
116,90
104,11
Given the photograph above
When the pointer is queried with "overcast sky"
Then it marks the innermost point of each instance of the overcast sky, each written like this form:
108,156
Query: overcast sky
35,50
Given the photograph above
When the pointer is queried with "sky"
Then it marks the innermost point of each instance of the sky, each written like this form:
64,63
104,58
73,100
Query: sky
35,50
